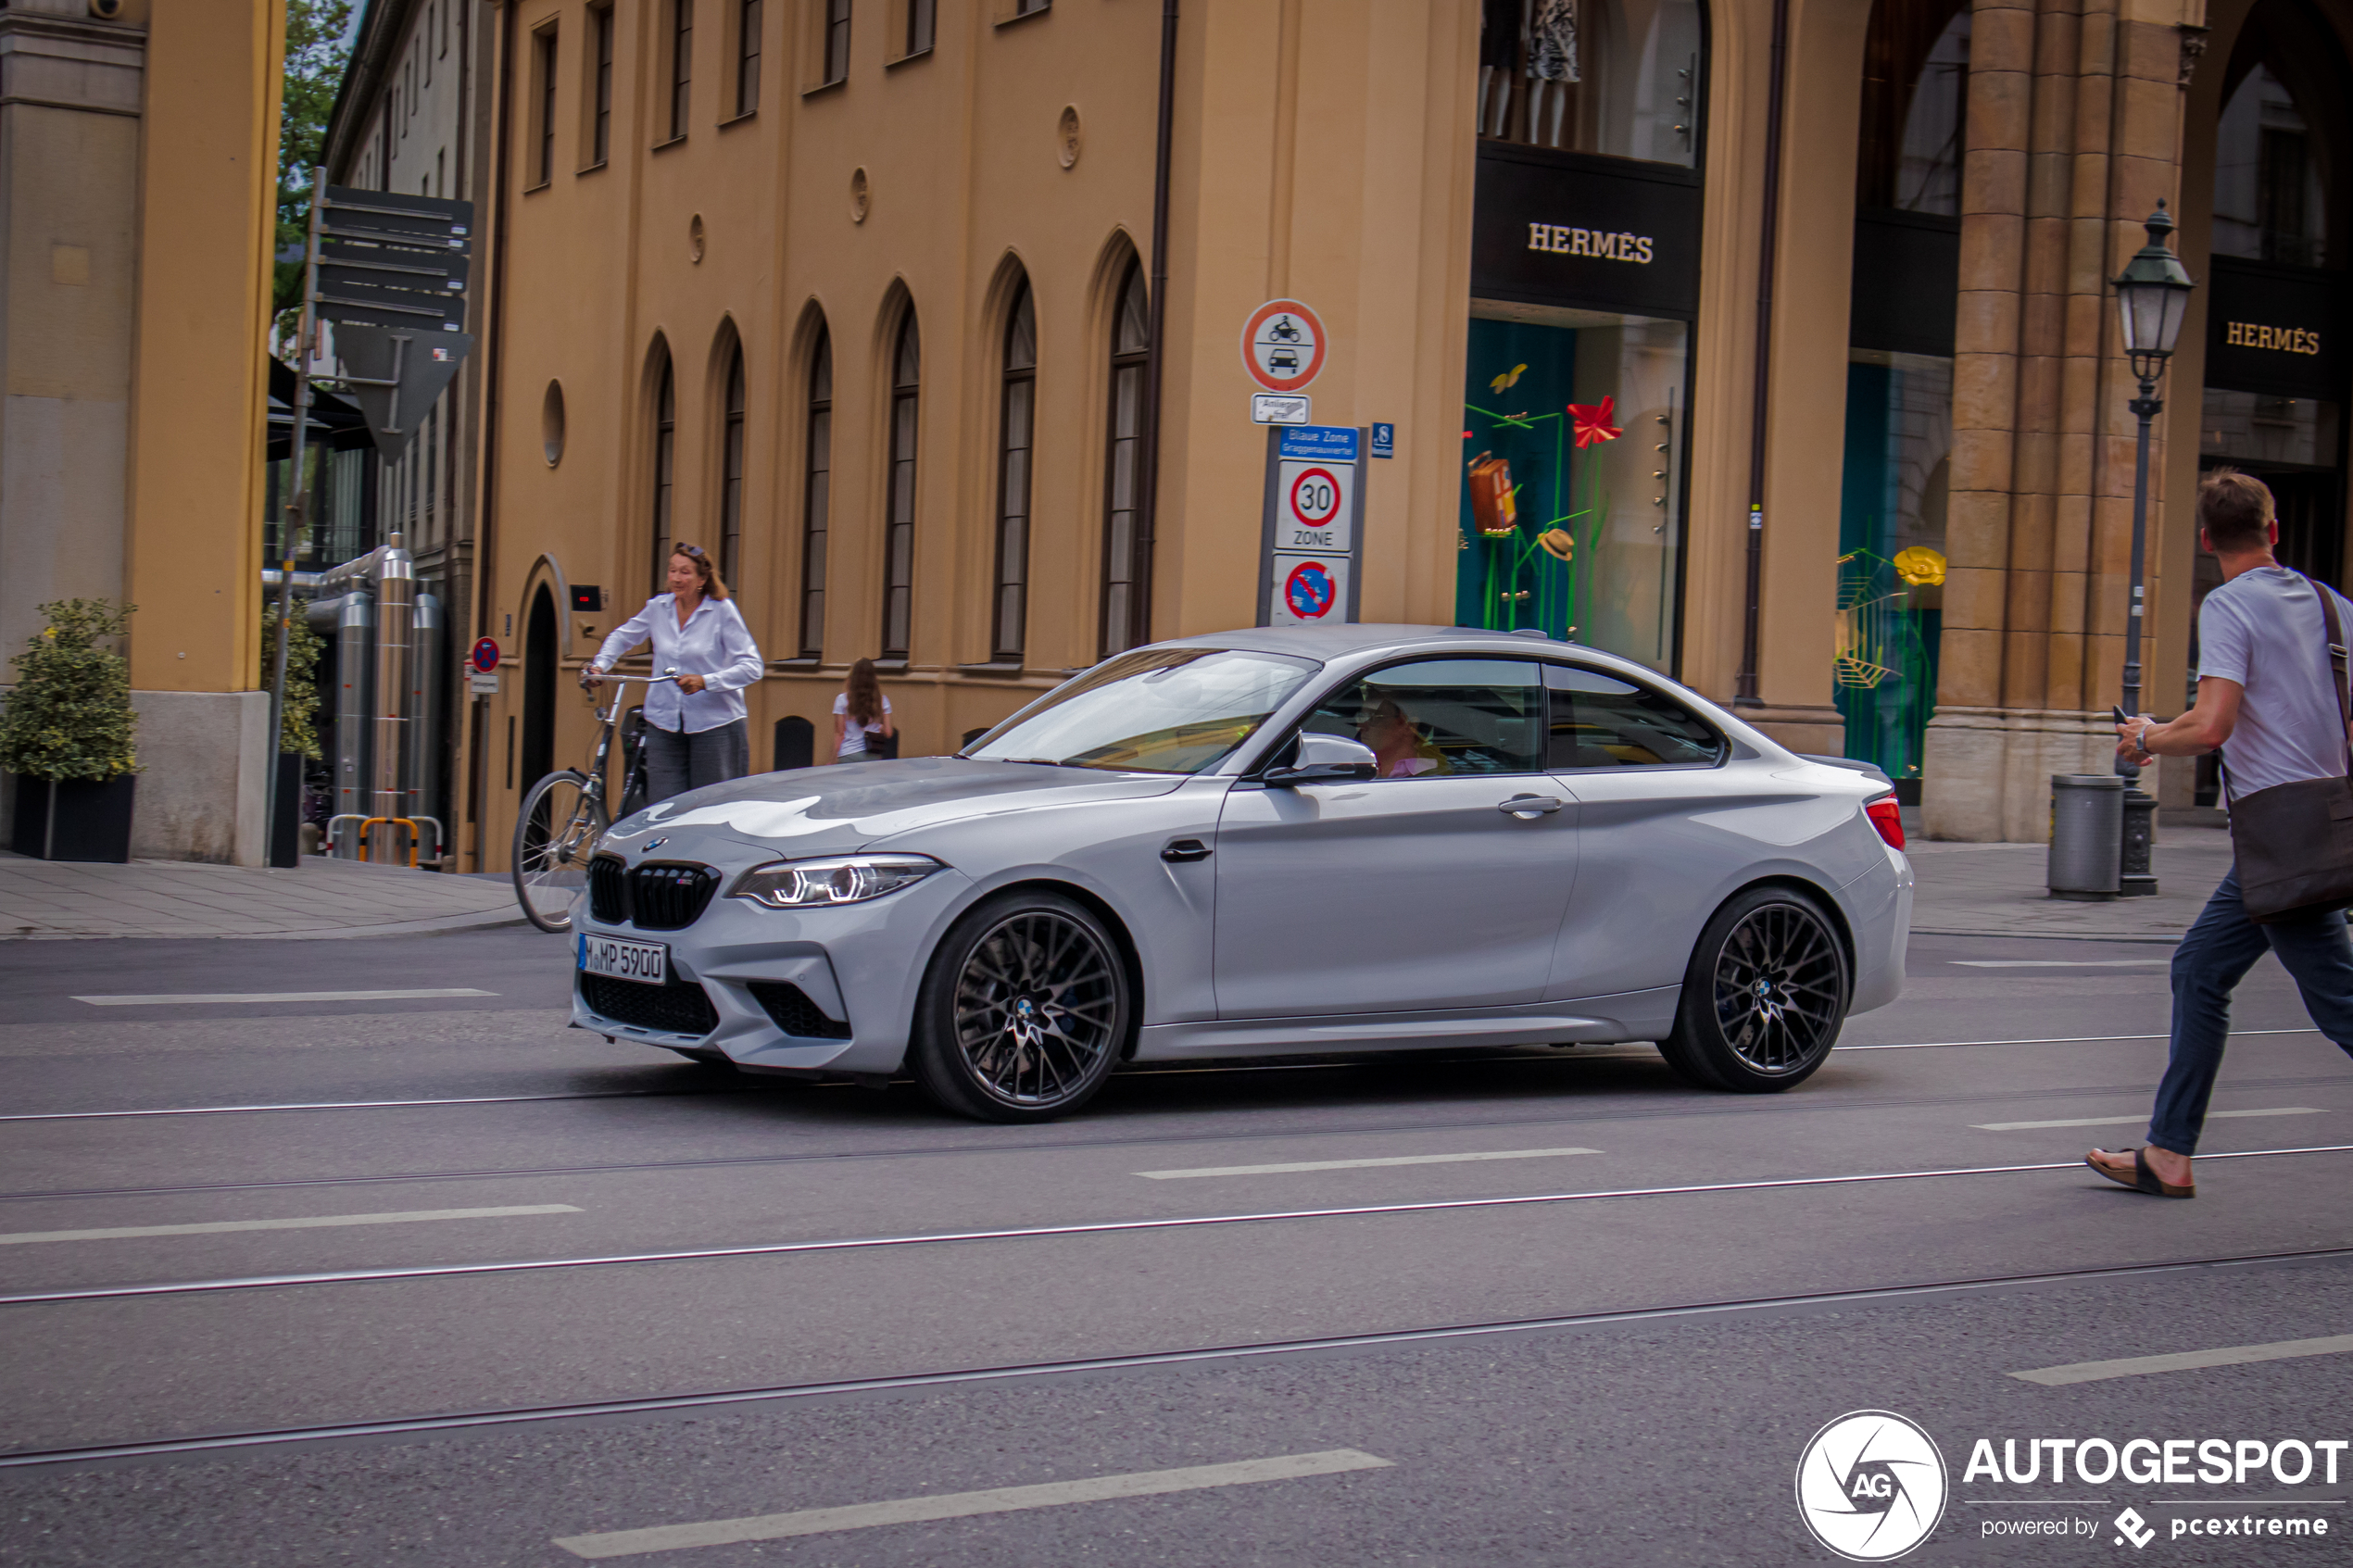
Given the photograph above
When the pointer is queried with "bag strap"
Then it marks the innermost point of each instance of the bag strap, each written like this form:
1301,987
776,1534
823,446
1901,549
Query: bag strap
2337,671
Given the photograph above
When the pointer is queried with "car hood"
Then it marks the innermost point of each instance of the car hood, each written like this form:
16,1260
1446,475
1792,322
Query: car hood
832,811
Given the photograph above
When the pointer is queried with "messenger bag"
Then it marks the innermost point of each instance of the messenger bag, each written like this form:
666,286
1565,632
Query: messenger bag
2294,841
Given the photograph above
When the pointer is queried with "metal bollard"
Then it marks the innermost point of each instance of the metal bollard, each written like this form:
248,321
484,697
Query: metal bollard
2087,835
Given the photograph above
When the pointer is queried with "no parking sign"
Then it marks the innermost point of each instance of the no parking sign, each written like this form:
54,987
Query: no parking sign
1310,591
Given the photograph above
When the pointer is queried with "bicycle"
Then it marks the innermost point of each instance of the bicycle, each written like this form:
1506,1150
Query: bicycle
563,819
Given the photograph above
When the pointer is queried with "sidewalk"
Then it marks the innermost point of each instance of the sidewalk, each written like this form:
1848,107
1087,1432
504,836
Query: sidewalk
324,897
1998,890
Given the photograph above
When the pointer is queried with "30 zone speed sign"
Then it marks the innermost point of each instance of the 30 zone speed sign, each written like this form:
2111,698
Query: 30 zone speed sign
1315,505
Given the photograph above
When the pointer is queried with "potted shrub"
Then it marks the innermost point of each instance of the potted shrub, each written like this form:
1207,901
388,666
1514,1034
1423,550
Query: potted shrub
69,736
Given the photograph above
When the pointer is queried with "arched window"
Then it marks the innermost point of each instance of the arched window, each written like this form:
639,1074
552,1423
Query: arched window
1016,433
730,470
665,465
816,497
1615,77
1915,102
899,547
1122,626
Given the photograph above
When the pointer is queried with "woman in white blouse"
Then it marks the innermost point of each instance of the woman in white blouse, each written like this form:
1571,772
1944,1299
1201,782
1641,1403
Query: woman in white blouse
695,733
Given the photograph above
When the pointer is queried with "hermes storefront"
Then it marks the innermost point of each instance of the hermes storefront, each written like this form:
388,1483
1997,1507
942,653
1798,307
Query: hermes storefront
1585,263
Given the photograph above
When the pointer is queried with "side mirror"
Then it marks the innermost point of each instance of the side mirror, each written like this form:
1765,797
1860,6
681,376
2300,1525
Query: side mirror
1319,759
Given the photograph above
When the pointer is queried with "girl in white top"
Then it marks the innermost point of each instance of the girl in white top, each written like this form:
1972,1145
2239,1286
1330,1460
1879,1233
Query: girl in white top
860,710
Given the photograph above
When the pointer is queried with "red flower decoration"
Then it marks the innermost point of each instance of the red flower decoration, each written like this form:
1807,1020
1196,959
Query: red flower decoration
1592,422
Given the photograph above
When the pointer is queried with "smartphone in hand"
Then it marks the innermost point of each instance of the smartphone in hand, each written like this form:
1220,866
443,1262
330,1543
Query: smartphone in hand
2119,714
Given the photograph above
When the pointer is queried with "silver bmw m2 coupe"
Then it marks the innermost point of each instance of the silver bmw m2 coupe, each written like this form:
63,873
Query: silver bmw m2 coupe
1260,844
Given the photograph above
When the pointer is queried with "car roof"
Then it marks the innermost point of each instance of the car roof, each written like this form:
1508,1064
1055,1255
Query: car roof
1324,644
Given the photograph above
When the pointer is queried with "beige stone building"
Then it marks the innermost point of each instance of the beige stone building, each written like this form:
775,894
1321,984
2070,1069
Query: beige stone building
858,295
138,159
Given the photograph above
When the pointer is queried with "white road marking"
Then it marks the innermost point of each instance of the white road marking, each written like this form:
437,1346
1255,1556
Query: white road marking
193,999
2187,1361
1360,1164
308,1222
966,1505
2056,1040
2061,964
2124,1120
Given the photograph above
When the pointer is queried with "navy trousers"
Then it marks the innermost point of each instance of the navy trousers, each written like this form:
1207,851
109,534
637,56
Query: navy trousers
2222,945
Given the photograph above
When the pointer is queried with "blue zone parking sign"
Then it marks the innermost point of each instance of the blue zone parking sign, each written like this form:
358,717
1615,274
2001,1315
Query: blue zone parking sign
1311,535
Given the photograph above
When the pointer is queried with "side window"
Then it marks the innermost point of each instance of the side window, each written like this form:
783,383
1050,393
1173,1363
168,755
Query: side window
1601,721
1443,716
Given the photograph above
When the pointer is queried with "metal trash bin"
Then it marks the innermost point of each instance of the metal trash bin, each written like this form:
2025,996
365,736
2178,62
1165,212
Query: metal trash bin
2087,835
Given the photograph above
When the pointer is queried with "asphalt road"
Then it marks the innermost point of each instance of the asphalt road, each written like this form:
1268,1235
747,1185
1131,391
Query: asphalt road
434,1280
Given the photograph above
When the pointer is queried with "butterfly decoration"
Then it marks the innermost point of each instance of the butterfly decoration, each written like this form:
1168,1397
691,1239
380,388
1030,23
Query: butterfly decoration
1592,422
1509,379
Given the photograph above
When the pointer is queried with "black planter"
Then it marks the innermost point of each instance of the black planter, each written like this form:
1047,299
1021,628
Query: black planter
74,818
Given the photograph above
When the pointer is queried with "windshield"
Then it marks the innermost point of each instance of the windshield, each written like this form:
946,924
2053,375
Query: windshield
1156,710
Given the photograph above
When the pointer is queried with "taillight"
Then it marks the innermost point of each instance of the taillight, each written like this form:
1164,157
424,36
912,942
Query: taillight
1888,817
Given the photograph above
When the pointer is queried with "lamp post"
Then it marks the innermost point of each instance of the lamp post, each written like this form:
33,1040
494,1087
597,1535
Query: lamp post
2153,293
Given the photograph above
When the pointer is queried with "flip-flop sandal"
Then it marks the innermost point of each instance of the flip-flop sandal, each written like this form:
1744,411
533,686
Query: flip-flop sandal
2143,1179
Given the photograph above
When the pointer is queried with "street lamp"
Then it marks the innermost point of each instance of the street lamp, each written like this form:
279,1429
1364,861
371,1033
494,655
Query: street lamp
2153,295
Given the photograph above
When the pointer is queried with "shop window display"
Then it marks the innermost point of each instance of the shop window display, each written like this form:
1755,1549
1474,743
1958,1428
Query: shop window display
1571,504
1615,77
1891,564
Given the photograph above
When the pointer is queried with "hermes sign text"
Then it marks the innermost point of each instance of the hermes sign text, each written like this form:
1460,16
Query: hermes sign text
1561,240
2283,340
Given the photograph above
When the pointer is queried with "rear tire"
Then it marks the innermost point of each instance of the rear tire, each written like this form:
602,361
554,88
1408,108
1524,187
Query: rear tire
1764,997
1025,1009
556,833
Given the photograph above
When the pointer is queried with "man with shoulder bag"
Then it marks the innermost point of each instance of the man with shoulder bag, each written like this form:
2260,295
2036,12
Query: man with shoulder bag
2272,685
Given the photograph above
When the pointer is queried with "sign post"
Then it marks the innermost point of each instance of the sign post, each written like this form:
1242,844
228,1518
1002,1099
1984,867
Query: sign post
1313,532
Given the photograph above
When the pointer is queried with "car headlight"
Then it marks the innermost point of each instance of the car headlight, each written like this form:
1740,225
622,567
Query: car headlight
844,879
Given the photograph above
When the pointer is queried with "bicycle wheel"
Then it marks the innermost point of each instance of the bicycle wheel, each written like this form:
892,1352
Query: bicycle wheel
555,834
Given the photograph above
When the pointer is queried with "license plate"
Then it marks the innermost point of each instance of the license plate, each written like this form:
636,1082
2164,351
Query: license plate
645,961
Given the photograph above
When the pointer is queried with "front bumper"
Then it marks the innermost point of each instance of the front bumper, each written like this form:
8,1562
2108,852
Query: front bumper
859,966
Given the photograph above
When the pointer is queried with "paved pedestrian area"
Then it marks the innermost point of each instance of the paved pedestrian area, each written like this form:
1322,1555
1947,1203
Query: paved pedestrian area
2000,890
322,897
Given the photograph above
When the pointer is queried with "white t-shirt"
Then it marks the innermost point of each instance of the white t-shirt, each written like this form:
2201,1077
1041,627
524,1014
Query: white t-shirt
2264,630
853,733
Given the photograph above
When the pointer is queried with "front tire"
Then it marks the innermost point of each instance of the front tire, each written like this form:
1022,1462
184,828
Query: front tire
1765,995
556,833
1024,1011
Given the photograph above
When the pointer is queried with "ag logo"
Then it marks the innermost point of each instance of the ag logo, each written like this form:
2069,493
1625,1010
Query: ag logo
1870,1486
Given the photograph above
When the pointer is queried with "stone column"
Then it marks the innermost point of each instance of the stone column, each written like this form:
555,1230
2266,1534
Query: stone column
2073,121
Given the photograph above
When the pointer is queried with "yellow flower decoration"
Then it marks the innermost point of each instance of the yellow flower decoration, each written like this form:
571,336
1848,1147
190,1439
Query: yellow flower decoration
1920,566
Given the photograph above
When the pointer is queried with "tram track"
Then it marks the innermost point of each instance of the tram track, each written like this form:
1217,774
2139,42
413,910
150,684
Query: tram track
493,1419
1715,1106
1035,1233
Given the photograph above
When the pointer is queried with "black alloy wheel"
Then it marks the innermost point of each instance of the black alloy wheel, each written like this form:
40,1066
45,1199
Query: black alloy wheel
1765,995
1025,1010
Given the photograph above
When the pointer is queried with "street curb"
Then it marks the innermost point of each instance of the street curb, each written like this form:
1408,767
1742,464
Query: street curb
481,921
2015,935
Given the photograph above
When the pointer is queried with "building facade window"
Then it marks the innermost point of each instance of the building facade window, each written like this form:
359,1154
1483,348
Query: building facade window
600,87
817,497
682,64
748,24
922,25
1016,435
1616,77
731,469
899,537
835,51
1123,608
543,49
665,466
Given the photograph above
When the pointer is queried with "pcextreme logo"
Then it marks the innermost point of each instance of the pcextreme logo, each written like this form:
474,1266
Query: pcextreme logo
1871,1486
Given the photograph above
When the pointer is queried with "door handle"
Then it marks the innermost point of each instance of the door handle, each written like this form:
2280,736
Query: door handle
1528,808
1183,849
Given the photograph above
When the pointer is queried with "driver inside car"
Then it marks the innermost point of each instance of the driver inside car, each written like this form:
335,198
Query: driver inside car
1396,742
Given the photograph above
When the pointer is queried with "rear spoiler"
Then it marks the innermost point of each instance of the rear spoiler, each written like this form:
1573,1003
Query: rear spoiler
1853,765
